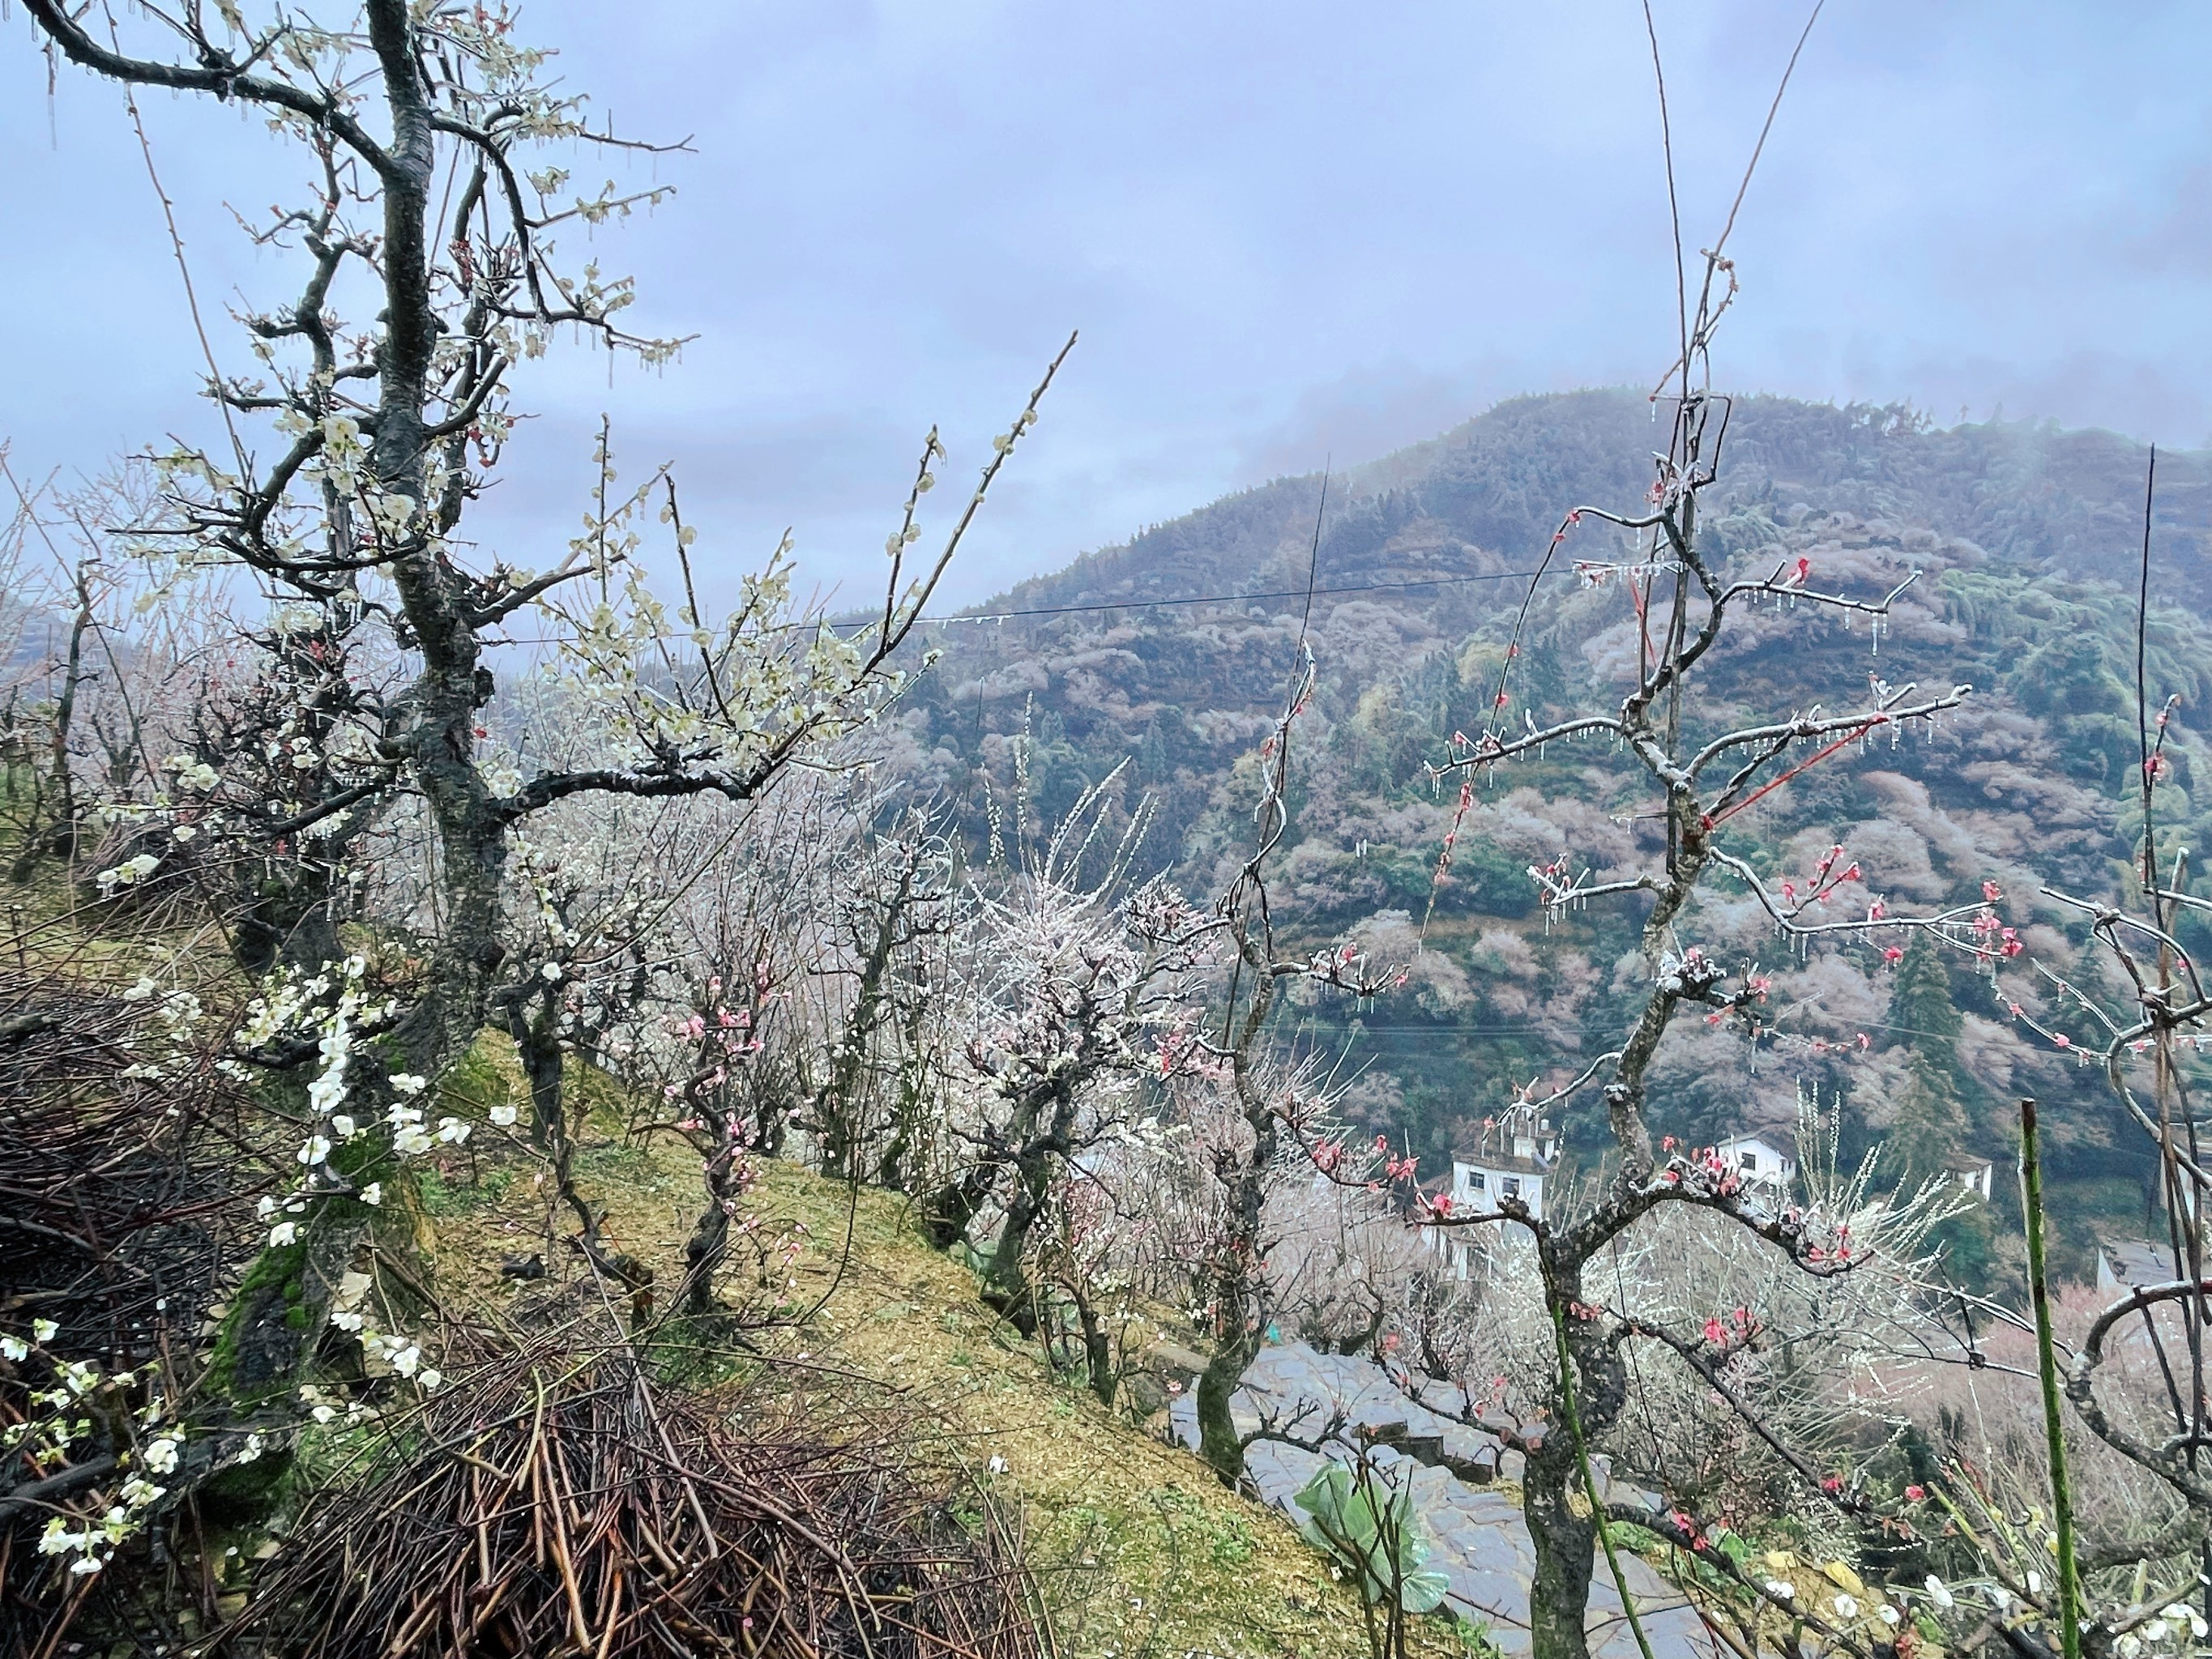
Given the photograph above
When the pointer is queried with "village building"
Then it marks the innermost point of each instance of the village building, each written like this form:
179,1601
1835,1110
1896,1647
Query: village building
1979,1175
1759,1162
1511,1157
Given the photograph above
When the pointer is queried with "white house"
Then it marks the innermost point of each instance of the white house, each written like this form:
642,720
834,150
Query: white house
1979,1175
1759,1162
1511,1157
1481,1180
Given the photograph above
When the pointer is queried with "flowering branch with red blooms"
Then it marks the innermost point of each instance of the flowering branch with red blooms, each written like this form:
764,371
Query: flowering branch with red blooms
1561,889
2170,1013
1978,931
1975,928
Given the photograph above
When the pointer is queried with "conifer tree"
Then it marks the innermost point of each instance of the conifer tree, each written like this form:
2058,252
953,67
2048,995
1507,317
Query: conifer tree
1930,1127
1929,1122
1921,1011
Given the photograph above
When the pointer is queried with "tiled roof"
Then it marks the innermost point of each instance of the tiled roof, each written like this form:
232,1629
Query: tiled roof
2135,1261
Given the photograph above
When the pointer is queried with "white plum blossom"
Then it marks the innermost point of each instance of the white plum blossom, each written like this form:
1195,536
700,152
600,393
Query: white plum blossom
372,1194
503,1115
329,1087
408,1083
283,1234
397,1352
129,874
123,1510
315,1150
452,1130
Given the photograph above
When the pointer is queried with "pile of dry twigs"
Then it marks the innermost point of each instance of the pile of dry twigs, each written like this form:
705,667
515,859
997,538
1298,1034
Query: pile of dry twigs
560,1503
121,1213
118,1202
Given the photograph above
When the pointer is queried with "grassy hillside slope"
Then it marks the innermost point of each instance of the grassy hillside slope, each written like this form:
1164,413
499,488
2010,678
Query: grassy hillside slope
1136,1548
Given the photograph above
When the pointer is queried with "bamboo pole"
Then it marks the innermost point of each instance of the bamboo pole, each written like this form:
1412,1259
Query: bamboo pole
2046,1361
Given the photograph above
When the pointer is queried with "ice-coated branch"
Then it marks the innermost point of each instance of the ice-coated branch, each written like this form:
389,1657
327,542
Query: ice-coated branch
219,72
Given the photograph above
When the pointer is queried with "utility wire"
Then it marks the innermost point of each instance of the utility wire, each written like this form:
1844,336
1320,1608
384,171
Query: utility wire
1232,598
1135,604
1356,1027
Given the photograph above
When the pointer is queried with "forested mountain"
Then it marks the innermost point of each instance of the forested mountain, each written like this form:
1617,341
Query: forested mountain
2027,540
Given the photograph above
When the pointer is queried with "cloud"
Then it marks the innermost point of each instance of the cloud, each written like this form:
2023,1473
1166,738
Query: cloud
1284,237
1370,410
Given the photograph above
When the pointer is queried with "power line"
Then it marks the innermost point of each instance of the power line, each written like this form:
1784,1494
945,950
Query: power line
1361,1028
1234,598
1122,605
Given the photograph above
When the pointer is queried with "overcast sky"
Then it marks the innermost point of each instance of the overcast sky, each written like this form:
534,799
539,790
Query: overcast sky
1286,231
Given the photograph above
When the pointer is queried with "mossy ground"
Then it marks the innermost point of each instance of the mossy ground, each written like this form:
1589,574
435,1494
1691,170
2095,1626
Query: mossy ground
1137,1549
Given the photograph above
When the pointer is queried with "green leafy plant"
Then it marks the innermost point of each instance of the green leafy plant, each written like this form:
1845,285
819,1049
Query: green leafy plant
1368,1527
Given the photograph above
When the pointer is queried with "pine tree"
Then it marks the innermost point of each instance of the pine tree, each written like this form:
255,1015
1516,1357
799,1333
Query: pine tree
1154,763
1931,1121
1920,1006
1925,1135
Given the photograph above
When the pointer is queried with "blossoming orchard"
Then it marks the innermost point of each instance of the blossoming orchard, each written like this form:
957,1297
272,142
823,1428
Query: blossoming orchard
1618,1080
